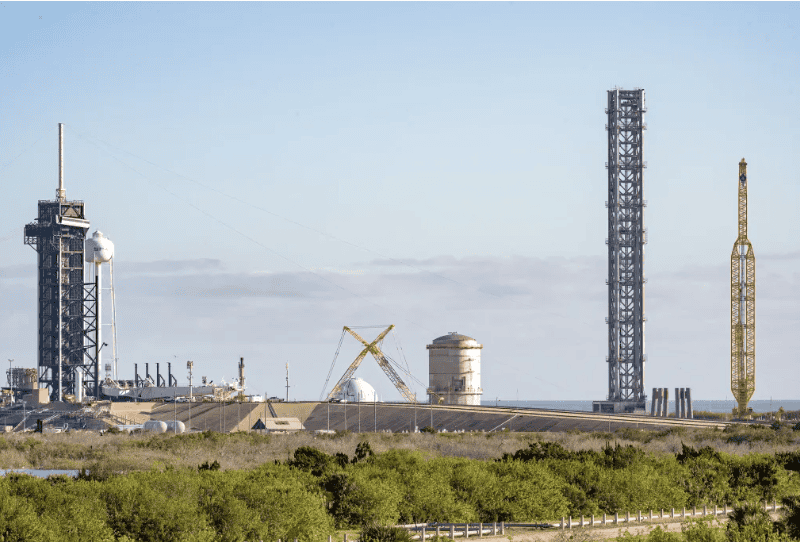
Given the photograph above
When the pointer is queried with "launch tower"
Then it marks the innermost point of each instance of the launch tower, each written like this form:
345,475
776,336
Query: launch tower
58,236
743,308
626,239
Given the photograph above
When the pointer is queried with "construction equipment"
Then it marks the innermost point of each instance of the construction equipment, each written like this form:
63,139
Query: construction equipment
743,308
384,362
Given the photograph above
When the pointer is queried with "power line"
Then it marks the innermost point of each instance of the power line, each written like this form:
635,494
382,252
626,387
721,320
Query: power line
252,240
315,230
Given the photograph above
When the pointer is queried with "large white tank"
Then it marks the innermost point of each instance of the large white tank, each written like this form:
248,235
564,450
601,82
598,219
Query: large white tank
99,249
357,390
455,370
175,427
155,426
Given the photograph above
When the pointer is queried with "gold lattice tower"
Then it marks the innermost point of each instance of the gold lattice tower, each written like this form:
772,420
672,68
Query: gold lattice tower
743,307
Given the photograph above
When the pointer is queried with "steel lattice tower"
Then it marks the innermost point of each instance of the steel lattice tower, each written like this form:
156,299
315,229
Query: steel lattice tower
743,307
58,236
626,239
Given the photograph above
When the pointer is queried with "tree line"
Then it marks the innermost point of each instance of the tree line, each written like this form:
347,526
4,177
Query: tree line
312,493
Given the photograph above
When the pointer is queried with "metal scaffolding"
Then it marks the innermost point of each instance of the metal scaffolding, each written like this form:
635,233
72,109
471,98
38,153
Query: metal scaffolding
626,239
58,236
743,307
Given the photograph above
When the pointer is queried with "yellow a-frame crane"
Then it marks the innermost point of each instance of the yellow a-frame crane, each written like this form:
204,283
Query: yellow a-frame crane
743,308
374,349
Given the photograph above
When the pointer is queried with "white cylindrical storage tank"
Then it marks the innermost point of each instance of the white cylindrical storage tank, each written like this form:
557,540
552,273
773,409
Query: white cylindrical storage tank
176,427
357,390
78,385
455,370
155,426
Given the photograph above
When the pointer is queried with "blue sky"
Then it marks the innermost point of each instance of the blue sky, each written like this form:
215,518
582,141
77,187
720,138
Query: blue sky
271,172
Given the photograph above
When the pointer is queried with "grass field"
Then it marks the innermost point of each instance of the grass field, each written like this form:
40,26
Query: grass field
143,451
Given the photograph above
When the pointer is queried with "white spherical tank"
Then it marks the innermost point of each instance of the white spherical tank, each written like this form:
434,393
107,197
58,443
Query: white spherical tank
455,370
99,248
357,390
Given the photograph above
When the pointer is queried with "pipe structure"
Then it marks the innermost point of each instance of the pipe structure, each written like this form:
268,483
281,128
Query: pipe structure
98,344
689,411
61,194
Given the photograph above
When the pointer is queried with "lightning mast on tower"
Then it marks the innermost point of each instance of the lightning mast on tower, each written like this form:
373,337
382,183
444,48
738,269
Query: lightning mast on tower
743,307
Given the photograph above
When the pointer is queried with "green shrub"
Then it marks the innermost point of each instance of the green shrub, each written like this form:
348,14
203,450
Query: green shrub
377,533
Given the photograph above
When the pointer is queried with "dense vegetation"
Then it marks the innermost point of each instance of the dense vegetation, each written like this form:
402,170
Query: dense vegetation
309,493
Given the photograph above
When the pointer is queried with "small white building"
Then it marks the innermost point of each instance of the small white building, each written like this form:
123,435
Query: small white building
356,390
455,370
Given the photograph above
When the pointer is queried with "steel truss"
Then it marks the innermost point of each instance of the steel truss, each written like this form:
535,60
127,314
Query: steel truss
58,236
743,307
626,239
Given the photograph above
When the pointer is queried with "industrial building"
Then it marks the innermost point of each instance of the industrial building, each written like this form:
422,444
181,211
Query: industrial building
455,370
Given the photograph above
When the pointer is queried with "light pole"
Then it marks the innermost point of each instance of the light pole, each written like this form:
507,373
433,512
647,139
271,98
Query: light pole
190,366
11,380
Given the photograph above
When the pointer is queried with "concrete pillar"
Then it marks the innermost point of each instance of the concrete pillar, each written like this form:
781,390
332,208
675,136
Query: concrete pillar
604,519
725,509
494,526
582,523
466,530
659,398
653,403
651,515
592,520
689,411
502,527
683,512
423,537
705,510
666,403
330,538
569,523
694,511
345,537
683,402
452,532
677,403
438,532
480,529
616,518
627,517
563,522
672,515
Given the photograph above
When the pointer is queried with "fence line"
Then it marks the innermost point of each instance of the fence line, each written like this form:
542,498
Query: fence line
465,530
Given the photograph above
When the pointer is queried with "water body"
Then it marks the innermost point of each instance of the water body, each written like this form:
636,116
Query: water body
721,405
40,473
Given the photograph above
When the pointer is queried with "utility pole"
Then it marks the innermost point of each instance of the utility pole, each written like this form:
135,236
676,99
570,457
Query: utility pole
190,366
11,380
287,382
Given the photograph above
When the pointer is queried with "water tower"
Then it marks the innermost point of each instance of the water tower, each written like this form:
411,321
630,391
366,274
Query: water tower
99,250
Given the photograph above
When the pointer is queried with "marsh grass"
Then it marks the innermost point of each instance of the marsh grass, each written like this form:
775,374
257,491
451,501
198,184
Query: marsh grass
143,451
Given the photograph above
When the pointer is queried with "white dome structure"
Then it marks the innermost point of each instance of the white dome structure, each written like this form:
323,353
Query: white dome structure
99,249
356,390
